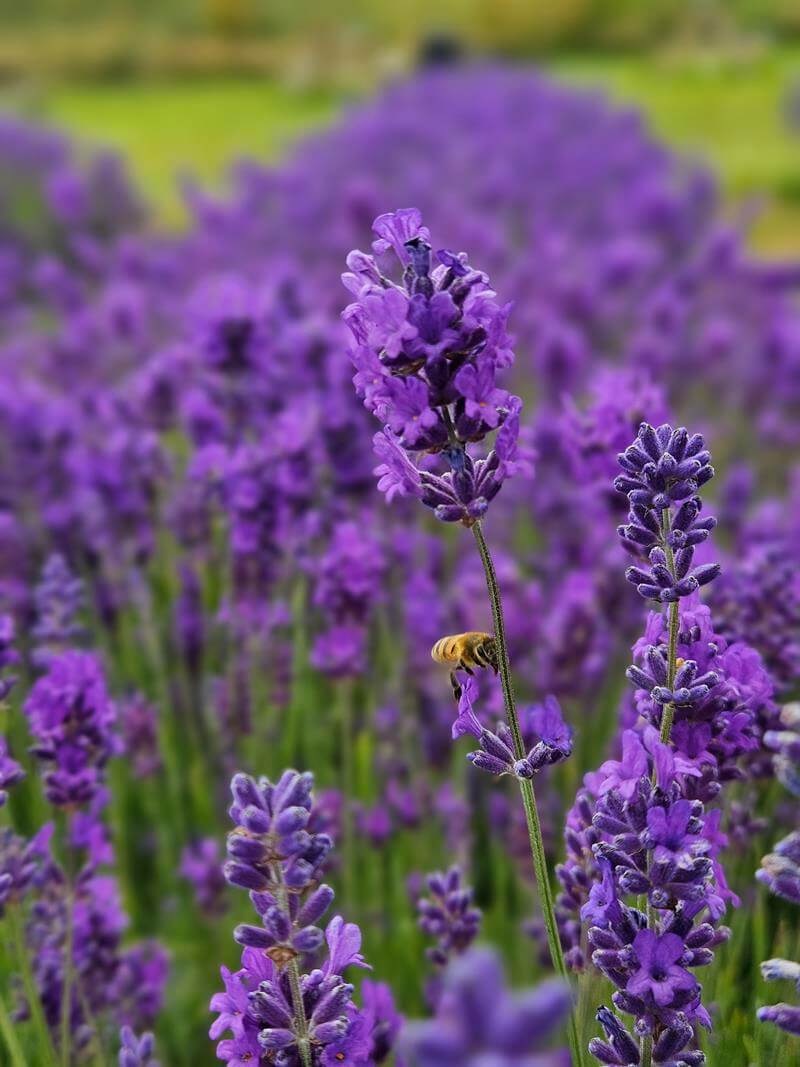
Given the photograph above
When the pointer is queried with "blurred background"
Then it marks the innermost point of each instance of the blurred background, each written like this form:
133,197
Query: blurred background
185,86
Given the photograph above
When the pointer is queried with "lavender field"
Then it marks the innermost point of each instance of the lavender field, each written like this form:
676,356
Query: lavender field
482,360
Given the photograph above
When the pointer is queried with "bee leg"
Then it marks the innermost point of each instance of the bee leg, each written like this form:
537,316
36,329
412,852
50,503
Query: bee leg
454,682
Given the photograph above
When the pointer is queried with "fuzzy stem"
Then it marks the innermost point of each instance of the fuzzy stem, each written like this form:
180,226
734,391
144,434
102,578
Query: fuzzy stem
526,786
301,1023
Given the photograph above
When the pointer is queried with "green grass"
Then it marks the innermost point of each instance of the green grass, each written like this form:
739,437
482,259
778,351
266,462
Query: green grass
726,111
193,127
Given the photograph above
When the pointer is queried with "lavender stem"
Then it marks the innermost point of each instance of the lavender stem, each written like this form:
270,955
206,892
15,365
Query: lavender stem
526,785
66,992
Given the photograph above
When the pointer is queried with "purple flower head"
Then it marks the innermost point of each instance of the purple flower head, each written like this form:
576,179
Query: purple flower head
59,599
622,1049
11,772
426,355
780,870
200,866
276,854
496,754
664,469
136,1051
546,721
478,1020
624,775
71,717
467,721
785,743
449,915
383,1018
140,735
659,976
344,947
8,654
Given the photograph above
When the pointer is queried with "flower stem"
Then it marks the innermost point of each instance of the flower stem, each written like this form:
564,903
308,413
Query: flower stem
11,1038
300,1020
301,1023
17,923
66,988
526,785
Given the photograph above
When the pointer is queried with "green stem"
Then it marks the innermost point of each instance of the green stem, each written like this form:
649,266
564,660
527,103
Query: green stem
526,786
301,1022
66,991
10,1037
647,1051
344,696
16,922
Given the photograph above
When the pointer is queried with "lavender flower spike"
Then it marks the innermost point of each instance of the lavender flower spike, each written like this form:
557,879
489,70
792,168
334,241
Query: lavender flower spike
780,870
664,470
275,1012
479,1021
427,353
136,1051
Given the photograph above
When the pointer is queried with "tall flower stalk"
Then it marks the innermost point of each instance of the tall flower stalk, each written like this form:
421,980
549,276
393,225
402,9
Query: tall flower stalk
656,890
664,468
426,354
277,1008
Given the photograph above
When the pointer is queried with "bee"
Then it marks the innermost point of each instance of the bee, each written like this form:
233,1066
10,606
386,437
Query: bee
464,652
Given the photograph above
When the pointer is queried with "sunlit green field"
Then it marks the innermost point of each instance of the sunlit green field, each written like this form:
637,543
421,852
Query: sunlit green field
731,112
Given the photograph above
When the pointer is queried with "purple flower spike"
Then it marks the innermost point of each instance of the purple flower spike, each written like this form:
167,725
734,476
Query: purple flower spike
277,855
664,470
71,718
426,355
136,1051
447,914
479,1021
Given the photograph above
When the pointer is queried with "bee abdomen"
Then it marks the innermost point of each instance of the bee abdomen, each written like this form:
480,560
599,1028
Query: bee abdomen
446,650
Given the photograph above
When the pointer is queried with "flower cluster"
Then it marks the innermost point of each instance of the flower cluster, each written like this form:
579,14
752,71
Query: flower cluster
643,858
276,1013
59,599
426,356
479,1020
720,700
348,587
200,867
71,717
136,1051
780,870
550,737
448,915
664,469
8,655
